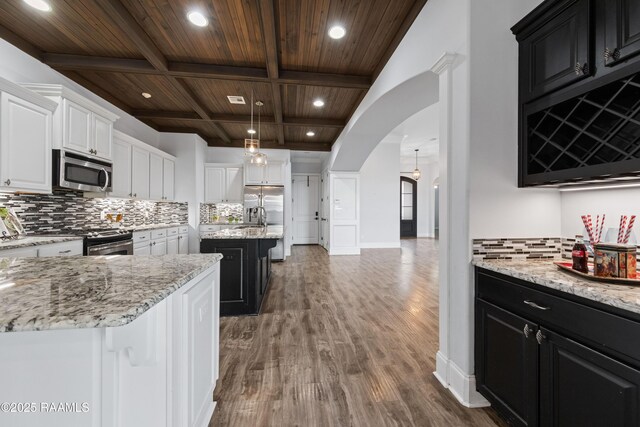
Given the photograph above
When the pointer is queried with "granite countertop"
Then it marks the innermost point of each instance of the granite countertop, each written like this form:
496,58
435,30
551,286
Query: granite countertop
90,292
153,227
268,232
35,240
545,273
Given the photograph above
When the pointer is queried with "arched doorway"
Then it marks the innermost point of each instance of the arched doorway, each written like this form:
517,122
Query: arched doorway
408,207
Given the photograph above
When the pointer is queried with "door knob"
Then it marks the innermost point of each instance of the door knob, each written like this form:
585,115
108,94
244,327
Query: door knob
8,182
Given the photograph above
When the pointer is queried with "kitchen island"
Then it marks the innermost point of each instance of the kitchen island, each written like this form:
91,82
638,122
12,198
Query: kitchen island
245,270
555,349
109,340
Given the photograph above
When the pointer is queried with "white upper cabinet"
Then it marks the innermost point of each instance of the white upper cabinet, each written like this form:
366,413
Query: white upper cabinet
215,185
168,179
122,168
223,183
80,125
155,176
26,129
140,173
270,174
234,184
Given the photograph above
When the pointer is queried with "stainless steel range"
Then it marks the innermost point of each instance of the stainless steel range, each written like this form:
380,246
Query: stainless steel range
108,242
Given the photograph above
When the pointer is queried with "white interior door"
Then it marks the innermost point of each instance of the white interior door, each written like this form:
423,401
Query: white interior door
324,216
306,209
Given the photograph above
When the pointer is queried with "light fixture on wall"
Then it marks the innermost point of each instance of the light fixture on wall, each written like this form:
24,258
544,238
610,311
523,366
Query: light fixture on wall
416,172
259,158
251,145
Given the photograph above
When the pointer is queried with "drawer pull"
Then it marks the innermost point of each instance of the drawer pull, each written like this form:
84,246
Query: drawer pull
534,305
65,252
527,331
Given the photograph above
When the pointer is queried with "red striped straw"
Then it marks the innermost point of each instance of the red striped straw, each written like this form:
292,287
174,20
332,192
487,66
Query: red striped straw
623,222
586,220
601,228
628,233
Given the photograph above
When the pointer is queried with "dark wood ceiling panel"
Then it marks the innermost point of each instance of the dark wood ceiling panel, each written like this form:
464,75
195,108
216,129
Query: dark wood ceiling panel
129,87
75,27
371,26
232,37
339,102
239,131
214,95
322,135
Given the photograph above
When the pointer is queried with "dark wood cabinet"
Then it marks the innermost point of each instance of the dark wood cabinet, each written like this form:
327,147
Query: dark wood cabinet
557,52
545,358
511,378
245,271
583,387
579,75
622,30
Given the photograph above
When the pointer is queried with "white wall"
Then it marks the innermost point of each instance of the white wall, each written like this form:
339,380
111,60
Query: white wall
306,166
18,67
613,202
380,198
426,193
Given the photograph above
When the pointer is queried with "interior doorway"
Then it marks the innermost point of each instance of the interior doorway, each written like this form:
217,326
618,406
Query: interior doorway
408,207
306,209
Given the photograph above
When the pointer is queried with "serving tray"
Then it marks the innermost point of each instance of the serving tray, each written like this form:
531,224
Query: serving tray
567,266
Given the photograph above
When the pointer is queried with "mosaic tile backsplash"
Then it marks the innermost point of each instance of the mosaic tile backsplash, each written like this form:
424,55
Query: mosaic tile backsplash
529,248
67,211
222,211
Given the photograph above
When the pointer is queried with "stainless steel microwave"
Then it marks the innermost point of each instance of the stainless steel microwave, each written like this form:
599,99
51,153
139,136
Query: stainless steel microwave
79,172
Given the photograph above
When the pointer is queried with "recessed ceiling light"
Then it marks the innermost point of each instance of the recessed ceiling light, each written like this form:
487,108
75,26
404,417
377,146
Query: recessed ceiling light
41,5
311,133
337,32
318,103
197,19
146,95
252,131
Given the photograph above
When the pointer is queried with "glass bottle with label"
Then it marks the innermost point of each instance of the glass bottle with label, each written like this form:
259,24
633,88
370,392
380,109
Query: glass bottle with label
580,256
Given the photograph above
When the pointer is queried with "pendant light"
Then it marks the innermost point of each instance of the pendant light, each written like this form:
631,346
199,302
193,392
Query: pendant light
251,145
259,158
416,172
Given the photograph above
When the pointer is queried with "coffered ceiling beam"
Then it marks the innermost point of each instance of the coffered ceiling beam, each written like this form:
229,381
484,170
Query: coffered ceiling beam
150,51
236,119
20,43
324,79
269,34
300,146
63,61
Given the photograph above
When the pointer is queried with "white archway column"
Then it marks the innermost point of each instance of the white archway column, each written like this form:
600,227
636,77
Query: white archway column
454,360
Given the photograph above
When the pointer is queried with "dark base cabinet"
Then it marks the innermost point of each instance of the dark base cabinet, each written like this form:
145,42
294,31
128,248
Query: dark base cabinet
245,271
544,358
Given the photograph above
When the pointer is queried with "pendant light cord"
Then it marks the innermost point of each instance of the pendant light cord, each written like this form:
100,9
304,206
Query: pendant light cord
252,109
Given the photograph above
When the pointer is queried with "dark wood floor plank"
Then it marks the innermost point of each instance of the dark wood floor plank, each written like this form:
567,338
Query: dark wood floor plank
341,341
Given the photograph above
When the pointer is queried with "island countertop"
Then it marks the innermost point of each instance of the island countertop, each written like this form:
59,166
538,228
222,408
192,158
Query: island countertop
90,292
545,273
268,232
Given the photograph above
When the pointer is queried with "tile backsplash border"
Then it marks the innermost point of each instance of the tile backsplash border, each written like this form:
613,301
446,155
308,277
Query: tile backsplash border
518,248
67,211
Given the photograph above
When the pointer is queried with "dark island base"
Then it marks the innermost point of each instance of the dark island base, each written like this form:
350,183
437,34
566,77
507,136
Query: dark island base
245,271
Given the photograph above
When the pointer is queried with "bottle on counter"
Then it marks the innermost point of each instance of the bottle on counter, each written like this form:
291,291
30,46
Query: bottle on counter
580,255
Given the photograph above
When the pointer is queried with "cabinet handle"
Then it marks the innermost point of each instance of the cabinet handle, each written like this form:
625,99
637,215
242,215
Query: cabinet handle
135,194
527,331
7,182
154,243
536,306
540,337
611,54
582,70
65,252
130,194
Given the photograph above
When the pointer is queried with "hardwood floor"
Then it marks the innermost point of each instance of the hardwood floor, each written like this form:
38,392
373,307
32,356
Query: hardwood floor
341,341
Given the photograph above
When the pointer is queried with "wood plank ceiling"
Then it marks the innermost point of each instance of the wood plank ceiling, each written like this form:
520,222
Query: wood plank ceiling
278,49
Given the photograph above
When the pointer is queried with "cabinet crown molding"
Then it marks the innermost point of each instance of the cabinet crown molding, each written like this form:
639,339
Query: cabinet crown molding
65,92
141,144
26,94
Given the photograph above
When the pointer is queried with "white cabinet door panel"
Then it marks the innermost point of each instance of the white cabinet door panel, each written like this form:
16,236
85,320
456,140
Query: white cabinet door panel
25,146
102,136
140,173
254,174
173,245
155,176
159,247
121,184
215,186
183,244
168,179
235,185
274,173
77,127
142,249
73,248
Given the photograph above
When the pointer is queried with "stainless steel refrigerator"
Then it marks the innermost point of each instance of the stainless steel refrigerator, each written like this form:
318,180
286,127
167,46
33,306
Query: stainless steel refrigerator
271,198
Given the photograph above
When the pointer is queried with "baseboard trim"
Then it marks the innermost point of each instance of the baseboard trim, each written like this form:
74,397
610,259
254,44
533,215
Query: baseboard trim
380,245
461,385
422,235
344,251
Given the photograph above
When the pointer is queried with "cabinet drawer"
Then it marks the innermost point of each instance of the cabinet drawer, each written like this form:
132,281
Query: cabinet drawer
206,228
158,234
141,236
183,229
19,252
606,331
61,249
172,231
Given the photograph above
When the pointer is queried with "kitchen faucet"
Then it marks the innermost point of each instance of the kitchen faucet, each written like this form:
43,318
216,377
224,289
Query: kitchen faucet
261,212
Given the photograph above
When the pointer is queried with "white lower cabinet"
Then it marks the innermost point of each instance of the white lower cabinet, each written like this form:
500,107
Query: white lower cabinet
72,248
31,251
159,247
173,245
183,240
